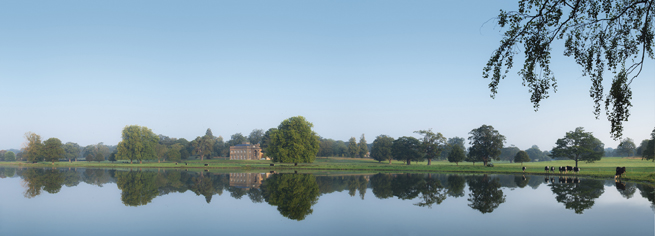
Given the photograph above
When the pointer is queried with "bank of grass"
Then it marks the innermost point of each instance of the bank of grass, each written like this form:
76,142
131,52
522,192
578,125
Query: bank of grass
636,168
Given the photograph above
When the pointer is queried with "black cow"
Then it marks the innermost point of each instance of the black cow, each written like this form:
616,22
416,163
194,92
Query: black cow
546,169
175,163
569,168
206,164
552,169
523,169
576,170
562,169
185,163
619,172
272,165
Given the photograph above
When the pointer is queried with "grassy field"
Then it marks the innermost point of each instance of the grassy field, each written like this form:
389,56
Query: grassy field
636,168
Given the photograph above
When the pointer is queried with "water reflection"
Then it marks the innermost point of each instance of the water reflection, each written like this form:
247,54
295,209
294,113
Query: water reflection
294,195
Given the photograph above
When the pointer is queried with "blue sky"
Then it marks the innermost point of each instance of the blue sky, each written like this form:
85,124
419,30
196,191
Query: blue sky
82,70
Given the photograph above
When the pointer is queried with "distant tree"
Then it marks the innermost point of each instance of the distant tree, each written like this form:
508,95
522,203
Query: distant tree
53,150
72,151
341,149
456,154
406,149
535,153
508,153
202,146
640,150
294,141
112,156
381,150
161,150
522,156
10,156
626,147
236,139
326,147
209,133
266,139
353,149
89,152
600,35
99,157
649,151
432,144
173,154
455,141
579,146
609,152
363,148
138,144
33,149
486,143
256,136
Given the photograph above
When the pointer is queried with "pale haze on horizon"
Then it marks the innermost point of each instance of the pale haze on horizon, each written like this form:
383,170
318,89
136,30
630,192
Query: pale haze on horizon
80,71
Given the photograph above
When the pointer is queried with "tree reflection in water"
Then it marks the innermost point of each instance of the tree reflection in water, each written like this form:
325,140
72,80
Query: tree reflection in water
138,187
485,193
576,194
293,194
35,180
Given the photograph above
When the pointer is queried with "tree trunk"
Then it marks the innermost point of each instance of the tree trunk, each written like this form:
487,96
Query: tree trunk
409,162
69,160
140,161
389,161
53,162
202,157
130,161
429,161
158,161
457,164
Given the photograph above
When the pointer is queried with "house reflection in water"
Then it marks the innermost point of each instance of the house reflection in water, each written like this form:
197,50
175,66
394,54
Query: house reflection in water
247,180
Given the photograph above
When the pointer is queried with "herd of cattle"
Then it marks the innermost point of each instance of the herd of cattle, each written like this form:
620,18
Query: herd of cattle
620,171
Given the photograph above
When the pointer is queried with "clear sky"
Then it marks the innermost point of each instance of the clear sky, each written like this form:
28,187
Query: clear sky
82,70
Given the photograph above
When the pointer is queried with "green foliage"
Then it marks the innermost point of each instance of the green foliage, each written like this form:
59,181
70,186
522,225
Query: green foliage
202,146
508,153
72,150
236,139
485,193
626,147
536,154
138,144
456,154
407,149
521,157
174,154
10,156
112,156
432,144
579,146
353,149
266,139
486,143
138,187
293,142
649,151
381,150
580,196
256,136
99,157
33,150
363,148
293,194
600,35
53,150
456,141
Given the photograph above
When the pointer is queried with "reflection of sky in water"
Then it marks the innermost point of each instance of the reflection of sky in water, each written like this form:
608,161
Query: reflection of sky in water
88,209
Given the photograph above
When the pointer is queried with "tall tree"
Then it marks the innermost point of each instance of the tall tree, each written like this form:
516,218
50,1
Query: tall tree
381,150
209,133
508,153
486,143
72,151
294,141
455,141
456,154
266,140
161,150
202,146
522,156
579,146
535,153
363,148
256,136
626,147
432,144
600,35
236,139
407,149
353,149
33,148
649,151
53,150
138,144
640,150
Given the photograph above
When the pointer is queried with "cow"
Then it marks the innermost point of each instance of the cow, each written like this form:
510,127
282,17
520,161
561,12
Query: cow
569,168
546,169
562,169
552,169
272,165
206,164
576,170
546,180
619,172
175,163
523,169
185,163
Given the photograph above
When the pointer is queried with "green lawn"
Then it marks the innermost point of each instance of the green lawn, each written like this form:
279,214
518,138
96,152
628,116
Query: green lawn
636,168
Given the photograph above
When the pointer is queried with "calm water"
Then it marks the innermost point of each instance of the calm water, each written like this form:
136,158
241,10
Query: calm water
36,201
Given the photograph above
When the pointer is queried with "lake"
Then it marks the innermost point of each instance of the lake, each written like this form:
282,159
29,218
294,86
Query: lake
44,201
